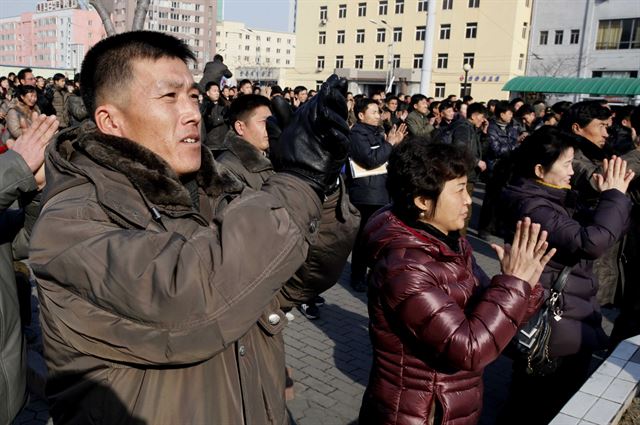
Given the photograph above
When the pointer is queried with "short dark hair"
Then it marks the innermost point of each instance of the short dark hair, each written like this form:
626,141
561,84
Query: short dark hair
524,110
419,168
561,107
276,89
417,98
108,65
434,105
476,108
23,72
516,100
445,104
298,89
211,84
58,77
544,146
362,104
467,98
218,57
245,82
582,113
502,106
622,113
243,106
24,89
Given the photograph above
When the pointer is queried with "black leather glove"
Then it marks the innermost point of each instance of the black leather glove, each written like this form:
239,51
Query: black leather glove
314,145
281,118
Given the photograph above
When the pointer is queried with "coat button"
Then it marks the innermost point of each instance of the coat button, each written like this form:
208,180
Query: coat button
242,351
313,226
274,319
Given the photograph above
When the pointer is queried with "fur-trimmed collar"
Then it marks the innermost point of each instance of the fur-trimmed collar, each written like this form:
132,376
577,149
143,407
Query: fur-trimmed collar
251,157
591,150
144,169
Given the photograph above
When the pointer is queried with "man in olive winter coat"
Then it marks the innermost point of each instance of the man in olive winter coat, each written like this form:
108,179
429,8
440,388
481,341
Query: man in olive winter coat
157,271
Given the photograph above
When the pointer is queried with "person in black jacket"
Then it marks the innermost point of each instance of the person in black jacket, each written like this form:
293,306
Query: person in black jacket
542,190
369,150
214,71
213,110
468,133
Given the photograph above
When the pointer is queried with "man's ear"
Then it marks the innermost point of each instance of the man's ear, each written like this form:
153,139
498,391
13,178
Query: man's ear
238,126
109,120
575,128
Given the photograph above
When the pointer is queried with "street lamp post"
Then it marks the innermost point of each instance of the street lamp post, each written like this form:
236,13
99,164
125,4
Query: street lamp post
466,68
390,71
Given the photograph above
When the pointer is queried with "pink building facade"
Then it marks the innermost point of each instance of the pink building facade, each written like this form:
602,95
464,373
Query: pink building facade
57,35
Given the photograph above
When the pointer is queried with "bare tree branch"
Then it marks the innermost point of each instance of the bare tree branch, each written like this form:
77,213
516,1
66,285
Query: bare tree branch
140,15
104,16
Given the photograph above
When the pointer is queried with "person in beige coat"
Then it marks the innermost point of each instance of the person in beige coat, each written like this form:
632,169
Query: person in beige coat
157,271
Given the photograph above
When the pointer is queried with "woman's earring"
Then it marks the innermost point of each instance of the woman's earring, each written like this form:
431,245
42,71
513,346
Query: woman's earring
422,215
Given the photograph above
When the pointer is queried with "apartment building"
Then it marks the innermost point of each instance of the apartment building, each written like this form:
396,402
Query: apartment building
592,39
193,21
382,43
259,55
56,35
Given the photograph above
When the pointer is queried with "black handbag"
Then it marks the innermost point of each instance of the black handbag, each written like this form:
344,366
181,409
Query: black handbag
531,343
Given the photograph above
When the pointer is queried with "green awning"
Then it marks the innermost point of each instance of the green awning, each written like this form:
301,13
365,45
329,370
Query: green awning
599,86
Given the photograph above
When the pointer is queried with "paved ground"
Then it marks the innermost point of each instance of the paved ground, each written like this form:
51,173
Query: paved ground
331,357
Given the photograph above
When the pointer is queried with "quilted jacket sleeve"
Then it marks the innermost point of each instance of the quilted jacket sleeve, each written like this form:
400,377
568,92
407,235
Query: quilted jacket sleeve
467,339
588,240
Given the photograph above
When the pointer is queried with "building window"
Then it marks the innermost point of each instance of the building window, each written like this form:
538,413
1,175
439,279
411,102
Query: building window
381,35
340,39
443,60
527,3
469,58
399,7
440,90
423,5
362,9
397,34
474,4
339,61
359,62
323,13
342,11
420,33
320,62
378,63
319,84
544,37
445,31
524,30
472,30
521,61
575,37
559,37
396,61
360,36
417,61
618,34
447,4
322,37
383,7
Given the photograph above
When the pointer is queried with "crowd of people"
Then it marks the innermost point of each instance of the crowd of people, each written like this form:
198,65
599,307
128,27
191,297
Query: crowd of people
234,205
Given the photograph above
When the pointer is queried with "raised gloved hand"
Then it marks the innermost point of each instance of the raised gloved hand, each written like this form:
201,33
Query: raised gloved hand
314,145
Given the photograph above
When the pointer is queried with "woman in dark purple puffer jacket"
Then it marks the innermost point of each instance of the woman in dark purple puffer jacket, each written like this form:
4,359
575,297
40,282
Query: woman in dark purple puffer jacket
541,190
434,325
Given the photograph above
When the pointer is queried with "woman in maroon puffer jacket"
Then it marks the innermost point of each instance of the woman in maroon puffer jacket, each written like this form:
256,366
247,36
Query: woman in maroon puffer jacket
435,320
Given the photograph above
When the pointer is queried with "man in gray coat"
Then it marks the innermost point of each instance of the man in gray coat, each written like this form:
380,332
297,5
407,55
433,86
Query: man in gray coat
19,178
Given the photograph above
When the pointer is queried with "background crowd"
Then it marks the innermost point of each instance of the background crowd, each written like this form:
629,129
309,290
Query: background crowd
568,167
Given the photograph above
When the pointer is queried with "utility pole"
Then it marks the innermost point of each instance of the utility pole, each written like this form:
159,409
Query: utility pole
427,55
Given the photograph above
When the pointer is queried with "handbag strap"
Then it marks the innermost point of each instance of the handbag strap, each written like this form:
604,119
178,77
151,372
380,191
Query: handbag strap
561,280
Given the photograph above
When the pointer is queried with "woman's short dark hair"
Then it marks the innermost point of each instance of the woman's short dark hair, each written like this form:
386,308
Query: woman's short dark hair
544,146
23,90
418,168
